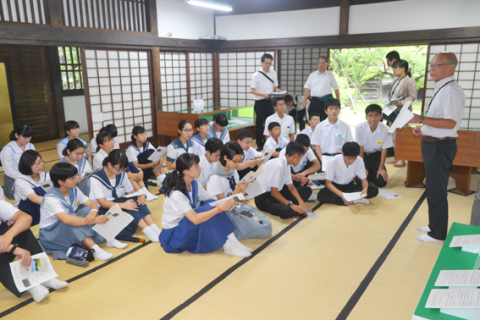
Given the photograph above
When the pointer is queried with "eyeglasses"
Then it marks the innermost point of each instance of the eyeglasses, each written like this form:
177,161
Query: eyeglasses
280,104
267,63
187,130
236,161
38,164
437,65
119,169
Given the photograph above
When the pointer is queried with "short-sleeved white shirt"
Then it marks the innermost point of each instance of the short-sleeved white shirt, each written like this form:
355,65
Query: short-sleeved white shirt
338,172
63,144
2,195
98,159
99,191
51,206
24,186
272,144
198,148
217,185
331,138
321,84
373,141
177,148
308,156
207,168
251,154
176,205
308,131
276,174
7,210
287,124
262,84
93,145
10,156
133,152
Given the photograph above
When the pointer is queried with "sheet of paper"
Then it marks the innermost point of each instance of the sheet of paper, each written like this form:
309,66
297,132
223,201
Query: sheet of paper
353,196
312,215
47,185
198,105
117,221
237,197
470,240
267,154
254,189
394,101
252,175
465,278
281,93
389,109
325,161
158,154
387,194
90,174
317,176
403,117
315,187
454,298
40,270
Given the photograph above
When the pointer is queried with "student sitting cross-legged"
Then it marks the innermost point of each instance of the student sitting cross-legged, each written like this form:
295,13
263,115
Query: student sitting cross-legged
108,188
285,121
209,160
190,226
74,154
251,157
62,223
282,198
276,141
223,182
200,139
313,121
346,173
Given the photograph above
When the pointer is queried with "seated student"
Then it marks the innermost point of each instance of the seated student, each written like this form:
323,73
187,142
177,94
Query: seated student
139,151
343,175
17,240
73,154
202,136
110,129
313,121
105,144
108,187
332,133
11,153
282,198
296,110
209,160
285,121
61,224
219,127
251,157
374,140
189,226
223,183
181,145
28,191
276,140
72,131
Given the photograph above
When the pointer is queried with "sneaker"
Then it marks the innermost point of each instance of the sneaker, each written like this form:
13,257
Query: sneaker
152,183
259,149
362,201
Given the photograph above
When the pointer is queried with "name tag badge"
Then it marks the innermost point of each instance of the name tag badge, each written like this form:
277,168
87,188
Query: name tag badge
380,142
78,203
340,135
288,127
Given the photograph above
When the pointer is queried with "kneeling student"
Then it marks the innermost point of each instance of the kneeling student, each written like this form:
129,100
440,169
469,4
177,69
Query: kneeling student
374,140
343,175
61,224
209,160
276,141
281,197
251,157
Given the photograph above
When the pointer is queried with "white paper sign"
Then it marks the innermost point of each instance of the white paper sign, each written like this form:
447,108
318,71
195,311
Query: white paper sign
158,154
117,221
198,105
461,241
40,270
454,298
458,278
403,117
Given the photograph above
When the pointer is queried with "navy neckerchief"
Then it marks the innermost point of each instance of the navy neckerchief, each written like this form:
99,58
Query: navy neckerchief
144,146
177,143
72,198
199,139
194,199
80,163
101,176
223,133
219,171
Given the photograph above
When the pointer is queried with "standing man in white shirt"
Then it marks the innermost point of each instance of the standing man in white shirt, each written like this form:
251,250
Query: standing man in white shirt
319,86
264,82
439,146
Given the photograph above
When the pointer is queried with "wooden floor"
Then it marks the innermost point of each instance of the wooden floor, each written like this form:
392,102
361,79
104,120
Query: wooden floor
357,262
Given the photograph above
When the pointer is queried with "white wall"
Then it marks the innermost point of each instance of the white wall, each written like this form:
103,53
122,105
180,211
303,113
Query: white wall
183,20
413,15
287,24
75,109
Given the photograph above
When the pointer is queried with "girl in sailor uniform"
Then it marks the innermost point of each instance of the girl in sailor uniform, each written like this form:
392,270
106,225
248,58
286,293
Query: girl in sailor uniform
202,136
72,131
112,130
219,128
73,154
181,145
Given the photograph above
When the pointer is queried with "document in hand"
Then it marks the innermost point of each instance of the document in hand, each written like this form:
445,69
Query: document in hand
403,117
394,101
90,174
158,154
40,270
117,221
252,175
267,154
47,185
389,109
317,176
236,197
254,189
353,196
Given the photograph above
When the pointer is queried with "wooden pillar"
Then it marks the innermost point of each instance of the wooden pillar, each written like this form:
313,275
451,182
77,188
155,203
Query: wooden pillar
151,15
344,16
53,13
57,89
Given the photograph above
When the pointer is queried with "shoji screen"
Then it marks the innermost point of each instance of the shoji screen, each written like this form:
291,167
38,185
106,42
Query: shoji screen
201,76
119,90
468,76
295,66
236,70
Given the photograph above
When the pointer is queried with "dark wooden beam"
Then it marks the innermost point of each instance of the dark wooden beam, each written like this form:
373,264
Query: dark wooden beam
344,16
151,15
53,13
57,89
157,82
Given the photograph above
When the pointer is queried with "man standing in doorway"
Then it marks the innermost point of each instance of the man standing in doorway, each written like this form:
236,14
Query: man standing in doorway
392,56
264,82
439,146
319,86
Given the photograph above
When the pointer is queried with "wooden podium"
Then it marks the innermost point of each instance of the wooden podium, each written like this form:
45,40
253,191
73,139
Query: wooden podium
408,147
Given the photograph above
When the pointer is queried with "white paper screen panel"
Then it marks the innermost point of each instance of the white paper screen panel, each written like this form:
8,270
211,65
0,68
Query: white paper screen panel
120,90
173,74
467,74
201,76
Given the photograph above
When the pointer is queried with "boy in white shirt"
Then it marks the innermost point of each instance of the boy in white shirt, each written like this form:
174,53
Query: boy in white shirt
312,121
344,174
251,157
286,122
209,160
276,141
374,140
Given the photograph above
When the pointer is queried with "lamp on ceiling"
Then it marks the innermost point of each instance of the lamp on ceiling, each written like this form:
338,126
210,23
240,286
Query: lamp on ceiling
210,4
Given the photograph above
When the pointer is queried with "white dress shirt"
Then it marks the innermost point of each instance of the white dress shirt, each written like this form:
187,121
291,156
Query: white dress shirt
251,154
262,84
308,131
338,172
276,174
24,186
98,159
10,156
308,156
286,123
331,137
176,205
207,168
7,210
321,84
272,144
373,141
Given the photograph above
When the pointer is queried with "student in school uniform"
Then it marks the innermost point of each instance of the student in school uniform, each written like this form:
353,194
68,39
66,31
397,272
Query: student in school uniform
313,121
286,122
72,131
374,140
11,153
219,128
17,240
346,173
251,157
73,154
28,191
61,224
139,151
209,160
108,188
282,198
276,140
181,145
189,226
295,109
332,133
203,134
110,129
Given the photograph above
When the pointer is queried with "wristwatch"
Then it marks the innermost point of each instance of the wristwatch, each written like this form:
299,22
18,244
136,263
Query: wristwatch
15,246
289,203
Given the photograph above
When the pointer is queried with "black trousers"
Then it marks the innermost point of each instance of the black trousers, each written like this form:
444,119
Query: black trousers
263,109
299,117
25,240
372,163
267,203
438,159
327,196
317,106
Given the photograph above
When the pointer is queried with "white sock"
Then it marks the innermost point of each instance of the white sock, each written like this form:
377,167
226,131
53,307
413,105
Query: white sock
234,249
115,243
55,284
151,234
156,228
234,239
424,229
313,196
160,178
427,238
101,254
147,194
38,293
